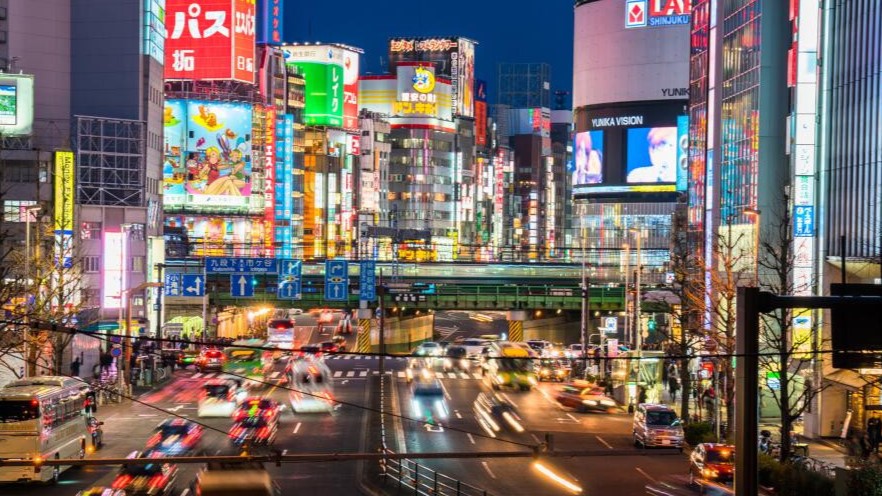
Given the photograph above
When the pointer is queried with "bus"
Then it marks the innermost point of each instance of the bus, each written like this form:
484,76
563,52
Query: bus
280,334
43,417
509,365
310,383
247,363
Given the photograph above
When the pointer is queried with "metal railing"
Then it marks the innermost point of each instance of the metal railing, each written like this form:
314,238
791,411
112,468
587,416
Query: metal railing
410,477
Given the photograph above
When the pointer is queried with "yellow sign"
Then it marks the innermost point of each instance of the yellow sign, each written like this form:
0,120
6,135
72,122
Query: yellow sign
423,80
405,108
64,191
801,329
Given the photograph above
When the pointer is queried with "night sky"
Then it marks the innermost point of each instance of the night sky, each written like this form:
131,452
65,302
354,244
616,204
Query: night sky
511,31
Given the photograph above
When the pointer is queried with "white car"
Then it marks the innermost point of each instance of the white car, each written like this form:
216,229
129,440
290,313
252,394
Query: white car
220,398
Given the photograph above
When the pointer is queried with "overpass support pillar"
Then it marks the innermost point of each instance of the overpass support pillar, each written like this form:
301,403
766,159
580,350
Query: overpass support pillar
516,320
363,340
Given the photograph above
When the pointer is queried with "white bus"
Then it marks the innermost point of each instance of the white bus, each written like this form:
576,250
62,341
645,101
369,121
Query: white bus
42,417
280,334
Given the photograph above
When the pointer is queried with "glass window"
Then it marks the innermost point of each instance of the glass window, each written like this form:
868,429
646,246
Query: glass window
90,230
16,211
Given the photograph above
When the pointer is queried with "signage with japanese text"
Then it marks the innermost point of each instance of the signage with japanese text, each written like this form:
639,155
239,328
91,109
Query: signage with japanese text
210,39
64,192
272,26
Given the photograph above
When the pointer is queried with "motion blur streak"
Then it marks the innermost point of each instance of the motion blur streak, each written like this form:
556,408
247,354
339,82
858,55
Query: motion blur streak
547,472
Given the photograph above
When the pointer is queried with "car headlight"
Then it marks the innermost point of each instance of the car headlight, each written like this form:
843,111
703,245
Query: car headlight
544,371
500,378
589,402
532,380
607,402
709,472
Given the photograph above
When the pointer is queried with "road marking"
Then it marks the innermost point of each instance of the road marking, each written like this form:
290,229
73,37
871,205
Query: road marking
400,374
570,415
487,468
451,375
458,415
644,474
185,492
338,373
535,439
472,439
196,375
477,376
275,375
351,373
446,394
297,427
147,415
463,375
604,442
363,373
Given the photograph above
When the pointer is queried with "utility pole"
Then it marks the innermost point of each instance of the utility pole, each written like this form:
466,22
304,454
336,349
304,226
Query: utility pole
381,292
584,321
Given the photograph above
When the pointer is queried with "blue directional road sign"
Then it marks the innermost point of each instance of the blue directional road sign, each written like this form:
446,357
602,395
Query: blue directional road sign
173,284
336,280
232,265
367,281
192,285
240,286
289,279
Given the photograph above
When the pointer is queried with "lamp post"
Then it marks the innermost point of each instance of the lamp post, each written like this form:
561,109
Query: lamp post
30,213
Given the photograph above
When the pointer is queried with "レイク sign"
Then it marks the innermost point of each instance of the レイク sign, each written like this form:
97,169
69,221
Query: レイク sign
210,39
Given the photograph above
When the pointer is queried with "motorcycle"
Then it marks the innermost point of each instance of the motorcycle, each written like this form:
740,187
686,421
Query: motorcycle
96,432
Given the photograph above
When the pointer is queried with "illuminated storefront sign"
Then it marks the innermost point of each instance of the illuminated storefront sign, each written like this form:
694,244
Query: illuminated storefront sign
416,94
453,57
480,113
322,68
64,192
426,45
210,39
642,13
208,155
269,167
114,275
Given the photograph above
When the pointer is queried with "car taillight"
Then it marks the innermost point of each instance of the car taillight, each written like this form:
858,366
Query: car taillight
263,432
122,481
154,439
157,480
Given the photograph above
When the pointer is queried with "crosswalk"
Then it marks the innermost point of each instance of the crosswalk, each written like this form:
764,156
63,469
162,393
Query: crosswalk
340,374
360,357
221,375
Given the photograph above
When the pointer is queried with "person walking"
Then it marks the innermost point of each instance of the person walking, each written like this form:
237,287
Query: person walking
673,387
75,367
874,431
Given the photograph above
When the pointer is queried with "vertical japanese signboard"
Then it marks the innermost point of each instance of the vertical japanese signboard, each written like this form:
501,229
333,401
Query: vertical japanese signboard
269,171
210,39
480,113
322,68
350,90
271,25
63,189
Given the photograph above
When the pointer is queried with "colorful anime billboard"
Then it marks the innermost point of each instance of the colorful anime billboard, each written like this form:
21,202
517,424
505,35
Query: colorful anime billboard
207,155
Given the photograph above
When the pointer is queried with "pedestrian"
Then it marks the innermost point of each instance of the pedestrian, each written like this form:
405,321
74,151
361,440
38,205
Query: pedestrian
641,395
106,361
75,367
673,387
866,445
874,429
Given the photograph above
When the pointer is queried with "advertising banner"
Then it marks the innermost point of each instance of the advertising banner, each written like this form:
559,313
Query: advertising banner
322,68
465,82
114,276
207,154
588,156
269,173
210,39
480,112
682,152
225,236
271,25
63,186
350,90
451,57
652,155
16,104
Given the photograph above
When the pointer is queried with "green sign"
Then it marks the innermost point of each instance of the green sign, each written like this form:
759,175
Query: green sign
324,93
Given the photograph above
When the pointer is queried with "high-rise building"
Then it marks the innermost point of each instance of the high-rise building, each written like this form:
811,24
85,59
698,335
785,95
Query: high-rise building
630,77
523,85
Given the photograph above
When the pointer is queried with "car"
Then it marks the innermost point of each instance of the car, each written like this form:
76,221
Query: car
428,349
257,406
210,359
220,398
657,425
329,347
549,369
585,397
713,462
185,358
573,351
475,347
340,341
494,413
540,346
427,399
151,479
309,351
101,491
254,430
456,358
175,437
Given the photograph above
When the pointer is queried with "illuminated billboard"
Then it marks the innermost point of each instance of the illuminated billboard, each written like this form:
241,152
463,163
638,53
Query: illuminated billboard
350,89
271,23
480,113
224,236
114,277
413,97
63,187
588,158
16,104
210,39
652,155
322,69
654,13
207,155
451,57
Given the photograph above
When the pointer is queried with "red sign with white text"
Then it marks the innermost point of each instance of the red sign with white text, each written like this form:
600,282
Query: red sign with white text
209,39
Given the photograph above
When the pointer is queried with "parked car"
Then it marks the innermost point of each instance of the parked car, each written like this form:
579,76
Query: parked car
657,426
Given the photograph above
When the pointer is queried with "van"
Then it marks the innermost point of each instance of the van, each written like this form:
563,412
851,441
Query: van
657,426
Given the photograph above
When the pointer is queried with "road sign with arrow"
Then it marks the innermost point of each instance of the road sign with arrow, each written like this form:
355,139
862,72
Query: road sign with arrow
240,286
193,285
336,280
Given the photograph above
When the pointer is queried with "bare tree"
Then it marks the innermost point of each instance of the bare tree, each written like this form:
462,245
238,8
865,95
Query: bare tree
787,356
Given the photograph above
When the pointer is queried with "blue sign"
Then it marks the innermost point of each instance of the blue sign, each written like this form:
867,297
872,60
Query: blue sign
290,282
803,221
336,280
367,281
192,285
241,286
115,352
230,265
172,284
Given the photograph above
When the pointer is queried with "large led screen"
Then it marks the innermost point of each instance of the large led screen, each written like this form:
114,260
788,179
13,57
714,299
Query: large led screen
8,103
588,151
322,68
207,155
651,155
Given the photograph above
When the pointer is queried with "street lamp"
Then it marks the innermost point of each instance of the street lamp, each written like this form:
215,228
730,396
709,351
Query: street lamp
30,213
